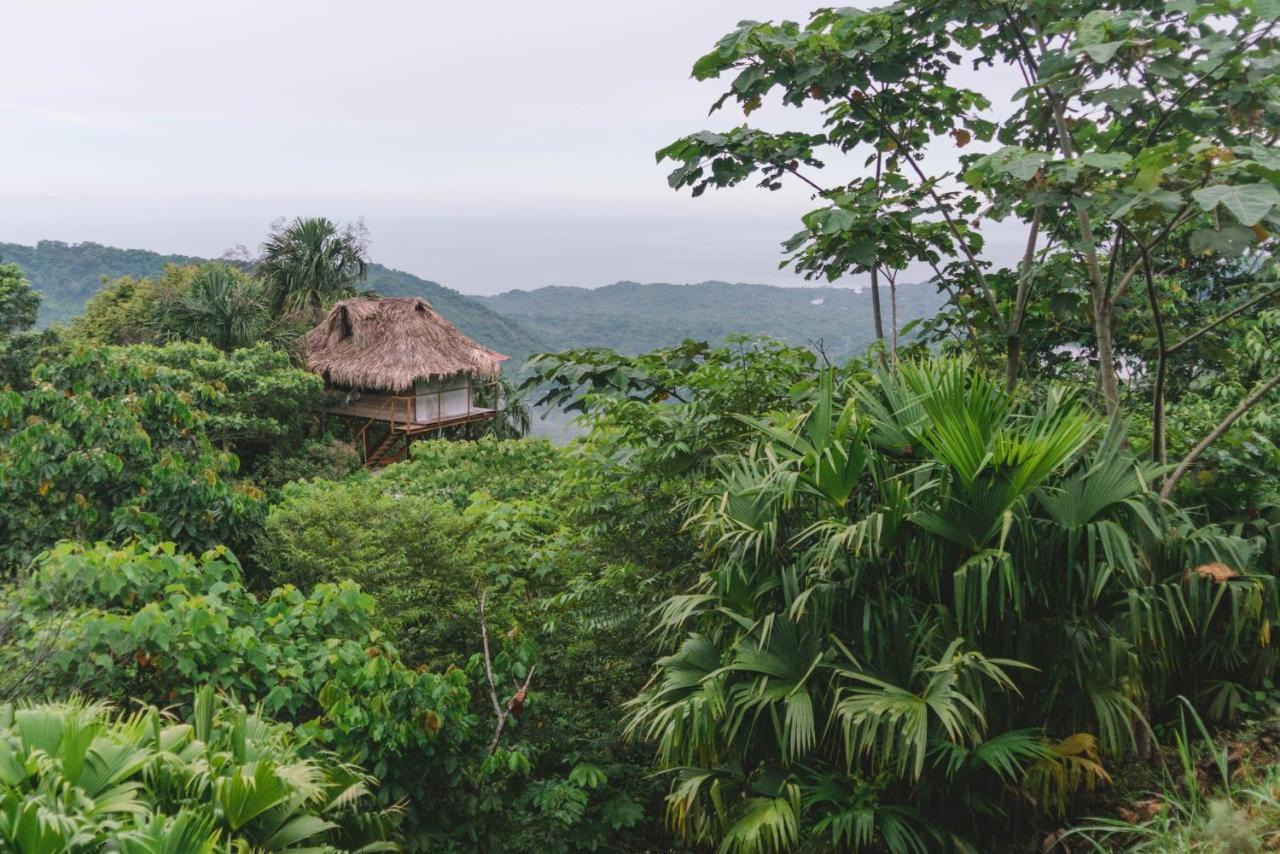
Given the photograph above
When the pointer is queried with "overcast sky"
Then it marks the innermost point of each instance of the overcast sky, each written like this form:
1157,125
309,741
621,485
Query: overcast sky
486,146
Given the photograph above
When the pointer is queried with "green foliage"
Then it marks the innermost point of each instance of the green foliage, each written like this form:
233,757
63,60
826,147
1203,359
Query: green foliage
221,304
1132,146
102,448
425,537
19,348
75,776
658,420
215,302
18,302
401,548
504,470
256,402
139,621
1203,803
125,310
926,580
326,459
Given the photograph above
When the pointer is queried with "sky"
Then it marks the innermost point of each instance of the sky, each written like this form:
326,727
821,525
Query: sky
485,146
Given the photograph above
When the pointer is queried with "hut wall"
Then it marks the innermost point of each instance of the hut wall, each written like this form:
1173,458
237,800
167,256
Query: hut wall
446,397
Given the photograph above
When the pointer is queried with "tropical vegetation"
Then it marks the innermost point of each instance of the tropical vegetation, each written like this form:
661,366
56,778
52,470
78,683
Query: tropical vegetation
1005,579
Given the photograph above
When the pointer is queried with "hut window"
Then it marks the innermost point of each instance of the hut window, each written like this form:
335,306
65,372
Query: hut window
344,323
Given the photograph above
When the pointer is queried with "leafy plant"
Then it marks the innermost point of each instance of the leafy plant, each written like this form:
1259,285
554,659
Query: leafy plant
309,263
76,776
135,622
942,590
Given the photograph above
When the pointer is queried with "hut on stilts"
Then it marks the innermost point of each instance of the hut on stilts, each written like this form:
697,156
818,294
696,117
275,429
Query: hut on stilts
402,372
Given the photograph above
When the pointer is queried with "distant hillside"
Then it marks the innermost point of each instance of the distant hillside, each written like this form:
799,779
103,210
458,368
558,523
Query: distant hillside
68,273
468,313
626,316
633,317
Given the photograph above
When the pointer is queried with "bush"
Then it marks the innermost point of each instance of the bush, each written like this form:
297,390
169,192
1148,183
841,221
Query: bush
425,537
322,459
928,594
257,403
405,550
505,470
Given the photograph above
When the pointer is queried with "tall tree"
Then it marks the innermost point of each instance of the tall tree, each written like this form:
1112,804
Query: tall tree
18,345
1143,131
310,263
18,302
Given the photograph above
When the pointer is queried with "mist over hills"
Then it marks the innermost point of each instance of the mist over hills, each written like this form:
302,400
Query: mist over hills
627,316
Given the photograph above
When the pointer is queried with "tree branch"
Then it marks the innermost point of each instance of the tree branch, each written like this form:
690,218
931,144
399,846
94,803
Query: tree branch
488,662
1223,426
1214,323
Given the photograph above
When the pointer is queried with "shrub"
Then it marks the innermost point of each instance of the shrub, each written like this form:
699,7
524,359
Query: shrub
924,598
405,550
256,402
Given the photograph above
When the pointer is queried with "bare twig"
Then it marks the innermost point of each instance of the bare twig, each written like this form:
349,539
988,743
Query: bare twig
502,713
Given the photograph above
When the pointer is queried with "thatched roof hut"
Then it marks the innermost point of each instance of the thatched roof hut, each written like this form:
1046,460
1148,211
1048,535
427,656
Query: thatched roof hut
385,343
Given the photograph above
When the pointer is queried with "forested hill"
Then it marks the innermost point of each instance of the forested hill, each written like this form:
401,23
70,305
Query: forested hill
632,317
626,316
66,274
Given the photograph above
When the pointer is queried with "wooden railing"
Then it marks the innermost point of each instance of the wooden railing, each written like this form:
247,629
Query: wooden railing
400,410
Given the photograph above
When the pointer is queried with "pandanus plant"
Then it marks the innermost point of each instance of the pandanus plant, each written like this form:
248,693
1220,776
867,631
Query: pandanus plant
929,597
76,776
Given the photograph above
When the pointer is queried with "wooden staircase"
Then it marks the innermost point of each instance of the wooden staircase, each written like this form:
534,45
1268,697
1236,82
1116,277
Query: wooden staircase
393,448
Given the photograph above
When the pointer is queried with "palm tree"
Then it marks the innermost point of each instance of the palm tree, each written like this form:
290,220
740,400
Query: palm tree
515,418
311,263
921,598
221,305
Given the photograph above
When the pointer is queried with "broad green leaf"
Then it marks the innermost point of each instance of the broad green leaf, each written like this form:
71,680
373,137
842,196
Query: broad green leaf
1231,240
1106,160
1248,203
1103,51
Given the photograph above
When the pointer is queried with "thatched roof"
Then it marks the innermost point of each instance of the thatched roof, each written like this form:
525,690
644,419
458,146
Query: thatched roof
388,342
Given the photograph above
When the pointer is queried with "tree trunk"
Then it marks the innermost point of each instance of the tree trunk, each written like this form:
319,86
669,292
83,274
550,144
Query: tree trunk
875,268
893,316
875,302
1107,383
1012,359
